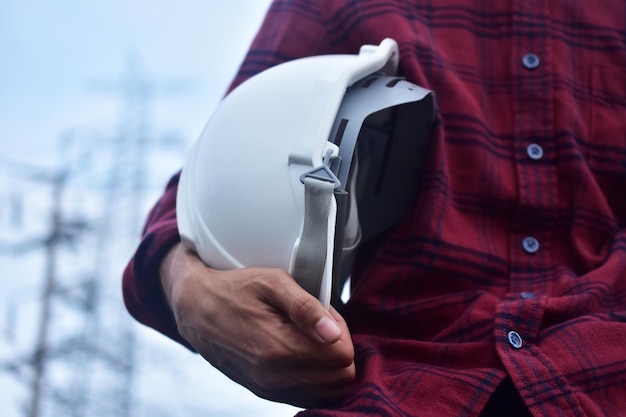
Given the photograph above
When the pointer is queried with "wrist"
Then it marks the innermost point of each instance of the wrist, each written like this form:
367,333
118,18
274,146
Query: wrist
167,271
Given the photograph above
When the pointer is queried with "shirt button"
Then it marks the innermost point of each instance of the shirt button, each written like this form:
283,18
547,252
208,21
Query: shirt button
530,61
530,245
534,151
515,339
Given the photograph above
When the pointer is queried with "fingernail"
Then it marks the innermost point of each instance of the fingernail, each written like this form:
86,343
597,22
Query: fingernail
327,330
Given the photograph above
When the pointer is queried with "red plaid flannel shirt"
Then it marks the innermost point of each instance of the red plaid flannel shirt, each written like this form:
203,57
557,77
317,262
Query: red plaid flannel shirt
513,262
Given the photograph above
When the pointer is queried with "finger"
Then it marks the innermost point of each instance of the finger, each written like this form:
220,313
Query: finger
309,397
300,386
305,312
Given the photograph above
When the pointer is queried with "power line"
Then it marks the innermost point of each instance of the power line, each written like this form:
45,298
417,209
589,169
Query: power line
96,353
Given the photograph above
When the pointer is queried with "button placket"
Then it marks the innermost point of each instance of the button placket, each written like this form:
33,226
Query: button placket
515,339
531,61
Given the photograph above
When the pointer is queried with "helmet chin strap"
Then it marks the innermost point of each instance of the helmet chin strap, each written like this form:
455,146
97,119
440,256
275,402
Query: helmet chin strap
313,263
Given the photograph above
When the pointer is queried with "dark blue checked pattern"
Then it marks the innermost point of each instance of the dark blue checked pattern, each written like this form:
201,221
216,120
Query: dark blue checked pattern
434,304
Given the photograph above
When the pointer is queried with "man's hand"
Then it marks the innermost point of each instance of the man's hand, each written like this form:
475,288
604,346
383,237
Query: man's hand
261,329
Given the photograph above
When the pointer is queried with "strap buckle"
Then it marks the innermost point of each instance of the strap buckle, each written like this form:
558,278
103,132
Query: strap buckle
323,172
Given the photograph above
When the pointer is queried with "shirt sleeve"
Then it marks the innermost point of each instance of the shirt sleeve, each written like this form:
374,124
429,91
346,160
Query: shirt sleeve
290,29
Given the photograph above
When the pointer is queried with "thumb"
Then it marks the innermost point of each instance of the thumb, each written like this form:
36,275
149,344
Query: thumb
307,313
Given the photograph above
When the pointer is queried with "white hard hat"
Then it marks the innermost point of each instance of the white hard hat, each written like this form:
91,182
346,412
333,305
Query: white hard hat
272,181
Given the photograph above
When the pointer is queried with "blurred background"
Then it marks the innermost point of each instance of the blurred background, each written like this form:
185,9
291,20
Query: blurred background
100,102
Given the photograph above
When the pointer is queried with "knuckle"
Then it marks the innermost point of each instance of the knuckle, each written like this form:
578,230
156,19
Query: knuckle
340,355
346,359
267,358
267,382
265,279
348,375
266,379
303,307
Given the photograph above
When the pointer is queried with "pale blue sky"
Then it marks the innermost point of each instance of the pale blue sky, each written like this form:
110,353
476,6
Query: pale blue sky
52,55
52,51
